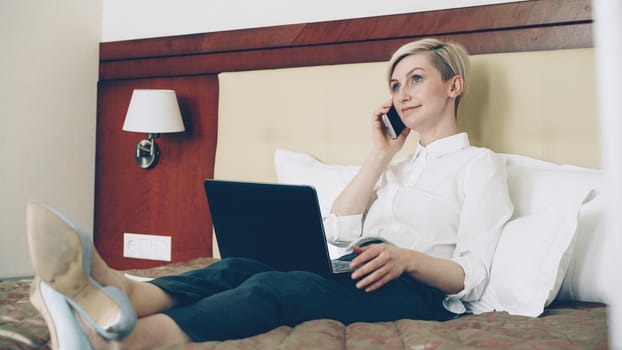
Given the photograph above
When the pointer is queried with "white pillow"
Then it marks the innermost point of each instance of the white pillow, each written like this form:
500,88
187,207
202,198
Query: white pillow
532,257
536,245
585,278
302,169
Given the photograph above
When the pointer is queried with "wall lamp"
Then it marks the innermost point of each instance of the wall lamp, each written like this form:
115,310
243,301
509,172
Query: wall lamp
152,112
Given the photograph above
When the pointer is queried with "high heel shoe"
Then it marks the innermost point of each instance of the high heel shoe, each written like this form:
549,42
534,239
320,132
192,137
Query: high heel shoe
65,332
61,256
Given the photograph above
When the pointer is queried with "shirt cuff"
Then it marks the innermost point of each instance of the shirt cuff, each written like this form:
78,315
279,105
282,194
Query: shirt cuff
474,283
341,230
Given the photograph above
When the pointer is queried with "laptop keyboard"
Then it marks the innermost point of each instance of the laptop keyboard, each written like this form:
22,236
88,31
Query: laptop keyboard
340,266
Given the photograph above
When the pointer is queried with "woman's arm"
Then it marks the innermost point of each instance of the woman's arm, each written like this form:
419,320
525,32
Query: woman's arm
358,194
381,263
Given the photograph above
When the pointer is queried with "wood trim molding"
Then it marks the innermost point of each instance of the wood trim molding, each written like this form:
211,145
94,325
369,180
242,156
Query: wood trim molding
526,39
528,25
441,22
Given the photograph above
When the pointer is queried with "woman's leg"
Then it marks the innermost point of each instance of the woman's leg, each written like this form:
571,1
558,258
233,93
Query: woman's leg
152,332
159,330
237,298
146,297
167,292
224,275
271,299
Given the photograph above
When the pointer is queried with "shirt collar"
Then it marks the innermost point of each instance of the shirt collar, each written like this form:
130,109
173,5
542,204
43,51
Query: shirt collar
444,145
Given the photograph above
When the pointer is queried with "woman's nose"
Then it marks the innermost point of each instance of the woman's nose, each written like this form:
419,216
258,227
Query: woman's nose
403,95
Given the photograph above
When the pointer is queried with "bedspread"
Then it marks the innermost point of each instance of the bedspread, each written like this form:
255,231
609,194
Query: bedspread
579,326
562,326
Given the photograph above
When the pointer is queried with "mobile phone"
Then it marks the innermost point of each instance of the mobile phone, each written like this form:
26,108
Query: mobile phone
393,123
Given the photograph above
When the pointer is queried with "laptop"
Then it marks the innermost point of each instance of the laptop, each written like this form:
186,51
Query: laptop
280,225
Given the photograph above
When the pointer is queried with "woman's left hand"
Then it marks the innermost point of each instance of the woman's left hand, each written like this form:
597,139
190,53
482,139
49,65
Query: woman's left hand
379,264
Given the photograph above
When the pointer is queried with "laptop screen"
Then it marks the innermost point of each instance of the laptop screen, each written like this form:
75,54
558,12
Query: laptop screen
280,225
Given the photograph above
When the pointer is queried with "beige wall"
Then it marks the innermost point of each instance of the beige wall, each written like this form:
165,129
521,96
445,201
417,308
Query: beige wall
48,90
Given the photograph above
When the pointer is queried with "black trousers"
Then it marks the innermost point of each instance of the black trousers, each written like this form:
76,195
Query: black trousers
238,297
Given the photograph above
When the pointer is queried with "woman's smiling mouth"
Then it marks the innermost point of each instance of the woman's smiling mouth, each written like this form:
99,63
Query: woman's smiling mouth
407,109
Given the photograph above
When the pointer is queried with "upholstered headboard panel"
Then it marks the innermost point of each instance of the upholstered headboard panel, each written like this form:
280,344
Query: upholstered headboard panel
540,104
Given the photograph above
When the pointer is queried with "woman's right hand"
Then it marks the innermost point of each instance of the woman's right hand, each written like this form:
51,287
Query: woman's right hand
382,142
358,194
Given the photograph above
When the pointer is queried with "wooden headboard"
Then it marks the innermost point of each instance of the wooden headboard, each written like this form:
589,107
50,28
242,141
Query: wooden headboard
169,199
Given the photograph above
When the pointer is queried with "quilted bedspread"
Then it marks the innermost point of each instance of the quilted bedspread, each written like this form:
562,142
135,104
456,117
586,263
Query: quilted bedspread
562,326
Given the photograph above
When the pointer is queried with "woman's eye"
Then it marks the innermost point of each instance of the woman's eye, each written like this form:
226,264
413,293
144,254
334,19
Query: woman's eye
395,87
415,79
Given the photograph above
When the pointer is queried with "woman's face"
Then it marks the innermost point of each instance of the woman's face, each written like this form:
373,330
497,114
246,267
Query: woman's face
420,96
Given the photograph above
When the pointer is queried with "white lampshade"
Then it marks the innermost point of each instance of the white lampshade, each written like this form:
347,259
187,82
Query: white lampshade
153,111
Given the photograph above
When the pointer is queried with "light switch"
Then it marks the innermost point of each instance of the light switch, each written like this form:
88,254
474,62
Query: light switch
142,246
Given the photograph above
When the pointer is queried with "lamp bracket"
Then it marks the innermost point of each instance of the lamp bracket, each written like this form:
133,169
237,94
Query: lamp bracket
147,152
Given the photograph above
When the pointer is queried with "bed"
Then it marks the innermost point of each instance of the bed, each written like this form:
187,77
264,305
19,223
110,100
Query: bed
281,119
563,325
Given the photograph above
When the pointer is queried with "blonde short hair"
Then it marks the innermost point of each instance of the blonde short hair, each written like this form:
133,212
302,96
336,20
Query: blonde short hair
449,58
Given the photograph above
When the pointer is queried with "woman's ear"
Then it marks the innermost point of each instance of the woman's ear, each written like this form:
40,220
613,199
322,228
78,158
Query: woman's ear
456,86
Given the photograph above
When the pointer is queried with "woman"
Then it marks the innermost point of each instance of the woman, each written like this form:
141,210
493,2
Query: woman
442,210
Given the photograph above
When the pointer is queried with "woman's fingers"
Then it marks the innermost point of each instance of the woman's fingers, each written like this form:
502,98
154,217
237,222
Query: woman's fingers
364,256
376,279
378,263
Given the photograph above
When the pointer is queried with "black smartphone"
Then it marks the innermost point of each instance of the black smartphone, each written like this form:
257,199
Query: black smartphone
393,123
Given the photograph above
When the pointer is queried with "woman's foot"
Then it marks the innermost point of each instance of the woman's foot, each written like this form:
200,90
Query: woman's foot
61,256
65,332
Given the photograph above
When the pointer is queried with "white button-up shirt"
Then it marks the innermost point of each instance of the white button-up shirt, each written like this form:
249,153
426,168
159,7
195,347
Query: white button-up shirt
449,200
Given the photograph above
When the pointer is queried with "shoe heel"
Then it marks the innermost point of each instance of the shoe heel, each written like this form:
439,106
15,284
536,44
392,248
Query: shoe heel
61,256
65,332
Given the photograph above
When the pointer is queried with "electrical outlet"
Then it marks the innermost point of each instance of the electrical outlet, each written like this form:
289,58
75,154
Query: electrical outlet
152,247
